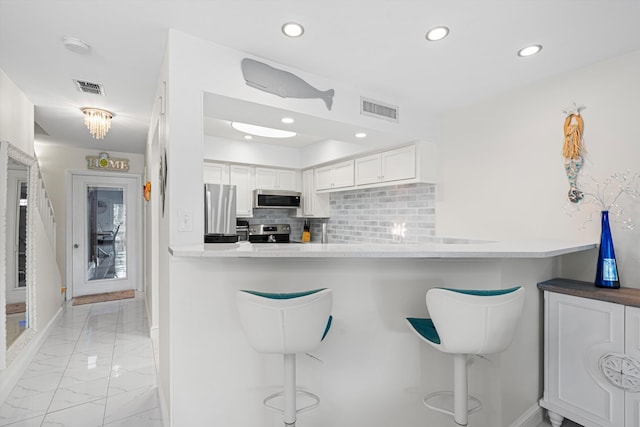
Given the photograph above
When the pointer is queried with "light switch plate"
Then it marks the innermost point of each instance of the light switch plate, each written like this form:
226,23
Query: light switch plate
185,220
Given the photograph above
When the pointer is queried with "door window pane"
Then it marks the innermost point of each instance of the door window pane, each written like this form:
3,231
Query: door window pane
106,233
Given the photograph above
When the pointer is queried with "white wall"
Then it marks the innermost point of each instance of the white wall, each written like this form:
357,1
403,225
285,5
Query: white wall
16,126
371,370
197,66
502,174
54,161
192,67
223,150
16,116
156,147
48,279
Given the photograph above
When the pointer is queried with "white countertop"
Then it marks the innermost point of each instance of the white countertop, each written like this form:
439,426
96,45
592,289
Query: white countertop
507,249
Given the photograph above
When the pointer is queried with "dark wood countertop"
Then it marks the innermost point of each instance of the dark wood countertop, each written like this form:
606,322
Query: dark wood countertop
624,296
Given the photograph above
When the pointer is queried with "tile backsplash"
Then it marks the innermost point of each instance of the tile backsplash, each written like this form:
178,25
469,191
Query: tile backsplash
402,213
395,214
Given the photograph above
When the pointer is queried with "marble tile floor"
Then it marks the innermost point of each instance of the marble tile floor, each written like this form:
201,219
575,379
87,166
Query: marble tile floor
565,423
96,368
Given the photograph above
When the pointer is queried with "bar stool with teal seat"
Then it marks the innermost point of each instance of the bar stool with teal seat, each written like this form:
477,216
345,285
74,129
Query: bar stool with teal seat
465,322
286,323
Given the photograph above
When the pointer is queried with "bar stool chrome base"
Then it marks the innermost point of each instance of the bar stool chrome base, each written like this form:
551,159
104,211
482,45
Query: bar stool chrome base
287,324
309,407
466,322
443,401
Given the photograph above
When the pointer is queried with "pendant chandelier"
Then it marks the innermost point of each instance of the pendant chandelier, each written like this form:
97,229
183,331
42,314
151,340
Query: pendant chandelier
97,121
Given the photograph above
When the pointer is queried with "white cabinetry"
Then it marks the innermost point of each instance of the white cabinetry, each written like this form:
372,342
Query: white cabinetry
337,175
313,203
215,173
404,165
592,355
242,178
393,165
278,179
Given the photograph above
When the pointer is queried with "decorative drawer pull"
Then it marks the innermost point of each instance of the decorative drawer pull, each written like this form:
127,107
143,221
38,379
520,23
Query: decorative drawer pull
621,370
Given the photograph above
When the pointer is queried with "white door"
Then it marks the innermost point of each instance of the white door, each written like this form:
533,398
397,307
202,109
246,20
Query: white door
105,234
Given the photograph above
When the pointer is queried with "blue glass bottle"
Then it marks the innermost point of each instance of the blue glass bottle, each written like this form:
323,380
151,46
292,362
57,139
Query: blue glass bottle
607,269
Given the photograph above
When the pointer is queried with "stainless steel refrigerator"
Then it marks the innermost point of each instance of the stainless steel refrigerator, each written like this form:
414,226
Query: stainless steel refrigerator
220,213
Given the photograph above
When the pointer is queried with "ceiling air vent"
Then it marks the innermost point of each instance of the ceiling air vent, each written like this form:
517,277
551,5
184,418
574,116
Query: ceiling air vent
377,109
88,87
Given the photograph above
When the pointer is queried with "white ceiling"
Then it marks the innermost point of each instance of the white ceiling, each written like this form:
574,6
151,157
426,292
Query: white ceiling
377,46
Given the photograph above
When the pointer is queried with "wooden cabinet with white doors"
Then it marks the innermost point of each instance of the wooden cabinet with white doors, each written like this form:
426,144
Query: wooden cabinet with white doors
387,166
277,179
242,178
591,354
314,204
334,176
215,173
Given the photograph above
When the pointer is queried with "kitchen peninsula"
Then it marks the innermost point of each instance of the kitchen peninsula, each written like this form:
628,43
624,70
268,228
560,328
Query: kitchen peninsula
370,370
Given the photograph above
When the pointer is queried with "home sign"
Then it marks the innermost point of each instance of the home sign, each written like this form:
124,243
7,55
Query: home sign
106,163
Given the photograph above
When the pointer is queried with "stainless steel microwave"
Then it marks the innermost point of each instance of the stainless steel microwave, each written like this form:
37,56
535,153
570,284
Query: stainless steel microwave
276,199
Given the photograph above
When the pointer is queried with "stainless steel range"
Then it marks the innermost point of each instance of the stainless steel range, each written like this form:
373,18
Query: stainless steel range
269,233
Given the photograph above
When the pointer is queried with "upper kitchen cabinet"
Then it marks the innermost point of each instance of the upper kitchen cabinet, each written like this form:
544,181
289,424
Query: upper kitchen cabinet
337,175
403,165
215,173
242,178
313,204
277,179
393,165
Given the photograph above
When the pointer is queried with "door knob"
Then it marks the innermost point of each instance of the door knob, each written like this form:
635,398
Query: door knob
76,246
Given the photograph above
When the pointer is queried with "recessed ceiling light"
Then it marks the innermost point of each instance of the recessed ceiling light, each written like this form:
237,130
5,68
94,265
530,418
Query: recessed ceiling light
287,120
530,50
262,131
248,137
361,135
292,29
76,45
437,33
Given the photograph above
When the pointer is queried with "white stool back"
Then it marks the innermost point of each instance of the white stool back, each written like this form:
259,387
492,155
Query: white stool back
467,322
473,322
285,324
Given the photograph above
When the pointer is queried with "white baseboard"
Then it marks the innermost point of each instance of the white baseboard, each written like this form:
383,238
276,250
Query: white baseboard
10,376
532,417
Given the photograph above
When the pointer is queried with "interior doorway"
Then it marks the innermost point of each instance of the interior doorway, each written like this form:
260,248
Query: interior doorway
105,233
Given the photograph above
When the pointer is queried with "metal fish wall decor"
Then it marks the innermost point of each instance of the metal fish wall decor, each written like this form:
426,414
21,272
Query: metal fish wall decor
282,83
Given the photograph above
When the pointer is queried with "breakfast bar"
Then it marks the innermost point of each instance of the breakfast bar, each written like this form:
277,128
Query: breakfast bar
370,370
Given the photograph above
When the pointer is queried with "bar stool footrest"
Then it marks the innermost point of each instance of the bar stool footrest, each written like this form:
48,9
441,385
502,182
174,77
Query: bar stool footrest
315,404
442,401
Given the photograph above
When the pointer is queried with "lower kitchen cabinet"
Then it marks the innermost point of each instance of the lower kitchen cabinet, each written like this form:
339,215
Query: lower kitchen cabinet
591,354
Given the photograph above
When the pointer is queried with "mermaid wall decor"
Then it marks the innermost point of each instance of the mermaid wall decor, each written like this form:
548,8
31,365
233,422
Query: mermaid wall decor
573,149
